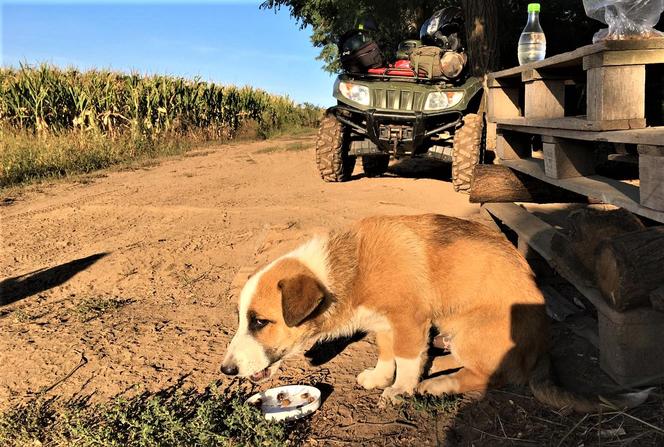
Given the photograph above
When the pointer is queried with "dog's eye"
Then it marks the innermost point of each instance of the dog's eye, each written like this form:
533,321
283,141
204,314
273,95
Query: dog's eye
256,324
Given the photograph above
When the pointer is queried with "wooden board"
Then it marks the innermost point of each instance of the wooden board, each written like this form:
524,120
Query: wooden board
651,174
649,135
597,187
544,99
633,57
564,158
572,123
575,57
616,93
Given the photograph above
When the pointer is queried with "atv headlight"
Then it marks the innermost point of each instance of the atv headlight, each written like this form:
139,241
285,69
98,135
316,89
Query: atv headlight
354,92
442,100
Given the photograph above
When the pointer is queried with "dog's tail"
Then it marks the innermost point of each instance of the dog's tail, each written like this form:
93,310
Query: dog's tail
549,393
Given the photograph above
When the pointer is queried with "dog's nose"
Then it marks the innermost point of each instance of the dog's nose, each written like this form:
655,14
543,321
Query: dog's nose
229,370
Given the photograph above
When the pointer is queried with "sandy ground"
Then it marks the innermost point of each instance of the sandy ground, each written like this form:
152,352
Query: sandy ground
133,271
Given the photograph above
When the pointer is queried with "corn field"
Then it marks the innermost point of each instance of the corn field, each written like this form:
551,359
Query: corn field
55,122
46,98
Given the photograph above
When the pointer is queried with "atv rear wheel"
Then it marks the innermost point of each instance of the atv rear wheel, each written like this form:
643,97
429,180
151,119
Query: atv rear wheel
332,145
375,165
466,151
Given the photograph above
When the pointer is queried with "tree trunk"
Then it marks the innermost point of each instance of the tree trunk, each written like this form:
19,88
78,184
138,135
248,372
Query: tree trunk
495,184
630,267
481,19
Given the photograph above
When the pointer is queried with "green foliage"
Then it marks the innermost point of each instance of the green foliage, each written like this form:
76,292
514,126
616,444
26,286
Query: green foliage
330,19
564,22
173,417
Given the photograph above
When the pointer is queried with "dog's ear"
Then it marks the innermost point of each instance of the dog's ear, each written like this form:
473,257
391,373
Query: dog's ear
300,296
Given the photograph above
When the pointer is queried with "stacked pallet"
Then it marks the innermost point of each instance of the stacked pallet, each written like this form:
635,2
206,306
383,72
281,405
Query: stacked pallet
545,143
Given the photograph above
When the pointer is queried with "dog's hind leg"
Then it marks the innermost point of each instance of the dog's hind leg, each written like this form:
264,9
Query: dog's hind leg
463,381
382,375
444,363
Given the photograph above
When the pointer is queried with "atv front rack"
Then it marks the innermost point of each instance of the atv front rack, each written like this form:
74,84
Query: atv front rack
387,130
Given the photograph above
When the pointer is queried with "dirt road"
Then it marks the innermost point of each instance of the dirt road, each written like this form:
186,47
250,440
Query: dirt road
133,269
125,281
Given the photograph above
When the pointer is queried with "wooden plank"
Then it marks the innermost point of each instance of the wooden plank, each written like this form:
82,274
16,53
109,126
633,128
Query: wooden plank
573,123
651,176
616,93
649,135
565,158
597,187
503,103
631,57
491,136
544,99
575,57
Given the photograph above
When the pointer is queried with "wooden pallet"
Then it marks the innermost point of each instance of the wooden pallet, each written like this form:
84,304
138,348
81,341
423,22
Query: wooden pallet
614,75
568,162
631,343
531,100
531,104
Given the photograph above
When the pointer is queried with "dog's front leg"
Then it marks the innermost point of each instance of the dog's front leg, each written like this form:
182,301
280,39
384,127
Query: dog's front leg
409,345
382,375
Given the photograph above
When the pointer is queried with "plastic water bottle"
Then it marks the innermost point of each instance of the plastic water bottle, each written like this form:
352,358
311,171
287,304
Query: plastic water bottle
532,43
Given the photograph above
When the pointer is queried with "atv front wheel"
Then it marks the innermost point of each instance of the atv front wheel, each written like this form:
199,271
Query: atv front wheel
332,145
466,151
375,165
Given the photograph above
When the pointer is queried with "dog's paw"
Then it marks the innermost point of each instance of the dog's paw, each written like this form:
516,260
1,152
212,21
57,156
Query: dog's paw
372,378
394,395
436,386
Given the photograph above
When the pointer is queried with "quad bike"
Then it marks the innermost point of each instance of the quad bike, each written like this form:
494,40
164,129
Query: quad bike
423,105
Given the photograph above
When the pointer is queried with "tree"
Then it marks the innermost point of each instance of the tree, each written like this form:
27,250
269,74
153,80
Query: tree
481,19
492,26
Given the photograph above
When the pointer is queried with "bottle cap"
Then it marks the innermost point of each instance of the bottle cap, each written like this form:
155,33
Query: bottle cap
534,7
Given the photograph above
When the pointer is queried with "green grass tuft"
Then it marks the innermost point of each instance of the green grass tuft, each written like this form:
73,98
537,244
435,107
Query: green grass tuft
292,147
433,404
95,307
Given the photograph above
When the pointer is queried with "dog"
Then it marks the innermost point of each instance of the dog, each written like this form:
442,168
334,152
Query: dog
398,277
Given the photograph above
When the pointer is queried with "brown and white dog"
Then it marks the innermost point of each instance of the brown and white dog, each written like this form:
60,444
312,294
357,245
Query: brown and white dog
396,277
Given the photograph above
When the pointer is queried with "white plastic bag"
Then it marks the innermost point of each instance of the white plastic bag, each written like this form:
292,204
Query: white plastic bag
627,19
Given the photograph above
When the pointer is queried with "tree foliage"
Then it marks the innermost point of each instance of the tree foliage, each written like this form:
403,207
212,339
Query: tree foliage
564,22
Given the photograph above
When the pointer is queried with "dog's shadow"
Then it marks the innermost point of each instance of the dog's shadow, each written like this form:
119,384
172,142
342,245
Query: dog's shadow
324,351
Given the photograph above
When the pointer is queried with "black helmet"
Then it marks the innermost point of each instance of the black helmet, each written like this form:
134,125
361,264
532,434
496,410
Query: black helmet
366,23
353,41
444,29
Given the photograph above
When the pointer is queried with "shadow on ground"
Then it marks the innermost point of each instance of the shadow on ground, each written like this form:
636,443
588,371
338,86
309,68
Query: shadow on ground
24,286
422,168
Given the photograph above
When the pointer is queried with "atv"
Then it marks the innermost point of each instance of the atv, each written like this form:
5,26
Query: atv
423,105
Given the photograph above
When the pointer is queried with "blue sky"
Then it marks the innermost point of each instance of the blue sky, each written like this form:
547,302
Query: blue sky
226,42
